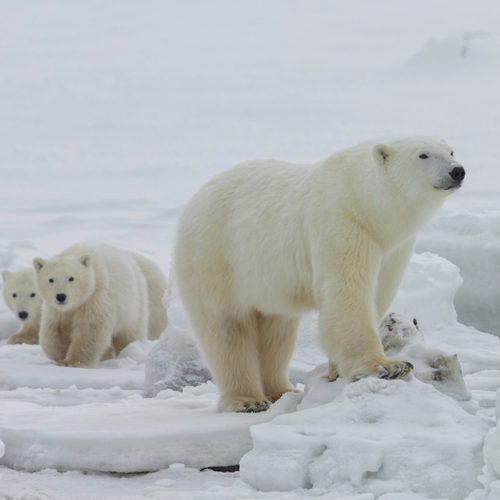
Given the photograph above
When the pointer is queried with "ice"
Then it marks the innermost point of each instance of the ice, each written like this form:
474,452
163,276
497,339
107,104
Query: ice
369,436
27,366
471,239
131,435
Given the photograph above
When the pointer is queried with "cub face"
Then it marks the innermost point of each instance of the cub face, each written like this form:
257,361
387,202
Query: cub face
20,294
420,167
65,282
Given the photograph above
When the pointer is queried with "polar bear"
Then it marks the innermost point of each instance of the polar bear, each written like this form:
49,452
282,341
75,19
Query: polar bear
266,241
96,300
20,295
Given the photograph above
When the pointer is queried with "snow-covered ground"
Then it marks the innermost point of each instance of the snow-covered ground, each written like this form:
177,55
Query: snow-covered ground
113,115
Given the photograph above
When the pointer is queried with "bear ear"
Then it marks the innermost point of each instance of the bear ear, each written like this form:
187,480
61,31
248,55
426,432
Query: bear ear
38,263
6,274
85,260
381,153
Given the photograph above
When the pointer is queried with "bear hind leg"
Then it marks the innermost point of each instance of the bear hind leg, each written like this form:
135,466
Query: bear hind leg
231,350
277,336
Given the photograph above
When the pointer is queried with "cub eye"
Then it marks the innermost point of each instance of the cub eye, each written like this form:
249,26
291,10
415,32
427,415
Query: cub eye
32,294
51,280
423,156
14,295
71,278
451,153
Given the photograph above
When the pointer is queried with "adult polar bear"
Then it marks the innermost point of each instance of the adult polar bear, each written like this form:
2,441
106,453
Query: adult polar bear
266,241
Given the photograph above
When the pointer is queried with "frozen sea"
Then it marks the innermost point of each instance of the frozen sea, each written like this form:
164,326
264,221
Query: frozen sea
115,113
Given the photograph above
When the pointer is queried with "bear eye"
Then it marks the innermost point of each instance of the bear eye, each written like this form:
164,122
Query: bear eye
71,278
32,294
423,156
452,153
51,280
14,295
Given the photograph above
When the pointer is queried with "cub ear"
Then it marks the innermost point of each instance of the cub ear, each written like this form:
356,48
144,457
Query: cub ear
38,264
6,274
85,260
381,153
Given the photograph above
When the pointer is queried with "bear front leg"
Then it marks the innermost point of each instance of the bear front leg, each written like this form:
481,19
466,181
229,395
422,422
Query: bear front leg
26,335
90,340
348,332
54,340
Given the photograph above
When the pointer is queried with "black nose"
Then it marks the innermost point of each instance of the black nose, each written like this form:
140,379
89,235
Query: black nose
457,174
23,314
61,297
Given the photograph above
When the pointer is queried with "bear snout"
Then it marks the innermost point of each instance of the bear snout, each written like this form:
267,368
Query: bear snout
61,298
23,315
457,173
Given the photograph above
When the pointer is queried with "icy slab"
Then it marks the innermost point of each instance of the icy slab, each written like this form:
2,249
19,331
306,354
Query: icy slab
468,234
374,436
25,365
132,435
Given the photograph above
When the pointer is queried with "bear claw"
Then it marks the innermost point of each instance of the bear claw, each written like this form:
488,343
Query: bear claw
396,370
256,407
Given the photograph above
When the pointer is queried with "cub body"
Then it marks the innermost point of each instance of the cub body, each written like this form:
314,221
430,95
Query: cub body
95,302
21,296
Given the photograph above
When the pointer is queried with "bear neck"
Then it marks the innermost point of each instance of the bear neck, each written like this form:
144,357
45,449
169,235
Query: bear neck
375,205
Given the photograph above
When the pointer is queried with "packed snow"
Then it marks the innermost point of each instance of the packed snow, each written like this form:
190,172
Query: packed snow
114,114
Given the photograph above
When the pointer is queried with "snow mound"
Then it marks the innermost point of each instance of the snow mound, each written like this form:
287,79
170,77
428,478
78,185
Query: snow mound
174,363
131,435
427,291
373,436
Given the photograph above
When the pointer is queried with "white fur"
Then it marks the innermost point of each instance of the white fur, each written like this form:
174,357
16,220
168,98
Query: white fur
266,241
106,305
21,296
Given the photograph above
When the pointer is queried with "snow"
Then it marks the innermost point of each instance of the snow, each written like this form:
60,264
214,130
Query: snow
369,436
114,114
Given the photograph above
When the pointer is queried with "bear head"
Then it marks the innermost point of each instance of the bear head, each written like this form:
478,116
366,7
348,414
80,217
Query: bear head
20,294
419,167
66,281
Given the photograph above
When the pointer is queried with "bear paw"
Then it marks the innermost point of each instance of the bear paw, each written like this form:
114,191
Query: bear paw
395,369
70,363
333,373
243,405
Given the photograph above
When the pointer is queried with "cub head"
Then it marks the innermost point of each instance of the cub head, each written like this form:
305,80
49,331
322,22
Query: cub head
65,282
420,167
20,294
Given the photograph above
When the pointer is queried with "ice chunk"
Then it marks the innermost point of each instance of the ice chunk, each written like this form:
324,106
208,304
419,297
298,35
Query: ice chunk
374,436
174,363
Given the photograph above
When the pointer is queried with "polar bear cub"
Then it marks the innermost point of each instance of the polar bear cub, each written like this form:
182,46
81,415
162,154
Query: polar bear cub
21,296
266,241
96,300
